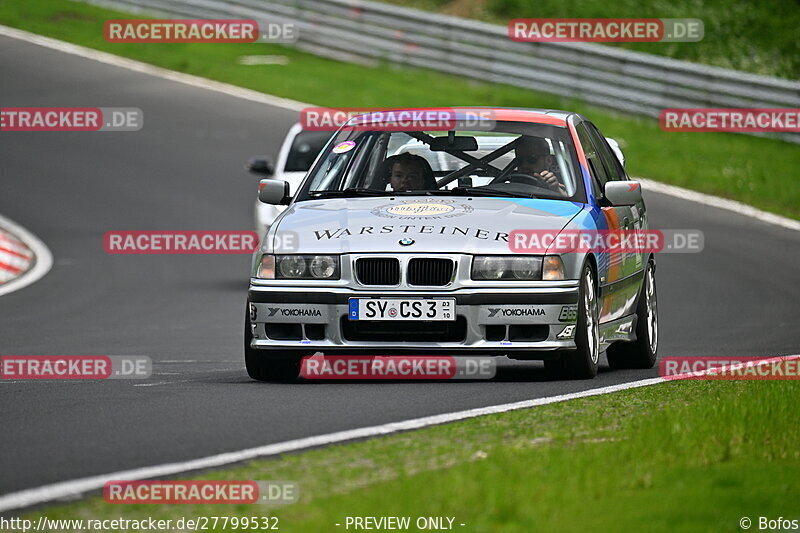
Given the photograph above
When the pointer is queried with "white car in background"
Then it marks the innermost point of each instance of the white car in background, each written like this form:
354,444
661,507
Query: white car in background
298,152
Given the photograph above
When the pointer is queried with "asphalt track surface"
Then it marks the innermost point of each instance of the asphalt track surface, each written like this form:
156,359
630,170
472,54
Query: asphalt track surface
184,171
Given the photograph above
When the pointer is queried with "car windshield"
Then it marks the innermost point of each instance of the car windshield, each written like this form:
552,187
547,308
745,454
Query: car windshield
305,147
513,159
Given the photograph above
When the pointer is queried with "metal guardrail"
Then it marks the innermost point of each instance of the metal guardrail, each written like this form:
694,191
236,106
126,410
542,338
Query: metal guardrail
369,32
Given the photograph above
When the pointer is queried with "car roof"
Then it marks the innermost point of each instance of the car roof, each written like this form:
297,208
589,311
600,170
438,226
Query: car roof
553,117
530,114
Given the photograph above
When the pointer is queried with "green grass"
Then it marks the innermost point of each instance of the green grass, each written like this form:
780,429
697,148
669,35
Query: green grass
758,37
680,456
758,171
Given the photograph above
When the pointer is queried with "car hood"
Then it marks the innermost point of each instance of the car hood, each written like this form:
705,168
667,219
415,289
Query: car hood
415,224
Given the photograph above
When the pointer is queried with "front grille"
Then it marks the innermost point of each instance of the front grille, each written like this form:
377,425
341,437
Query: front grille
430,271
378,270
283,331
528,332
495,332
404,331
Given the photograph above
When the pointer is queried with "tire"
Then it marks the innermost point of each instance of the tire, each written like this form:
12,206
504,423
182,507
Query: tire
269,365
642,352
581,363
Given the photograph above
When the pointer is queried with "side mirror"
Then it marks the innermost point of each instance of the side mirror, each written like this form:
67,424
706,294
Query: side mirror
275,192
623,192
616,149
260,165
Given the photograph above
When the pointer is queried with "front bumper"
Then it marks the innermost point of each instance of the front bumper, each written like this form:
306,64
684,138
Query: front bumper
490,321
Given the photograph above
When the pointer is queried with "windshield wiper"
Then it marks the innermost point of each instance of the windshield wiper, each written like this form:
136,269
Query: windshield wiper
355,191
480,191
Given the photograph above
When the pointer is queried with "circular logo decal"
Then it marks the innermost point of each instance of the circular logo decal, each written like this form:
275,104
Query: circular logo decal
432,209
344,147
392,312
406,242
421,209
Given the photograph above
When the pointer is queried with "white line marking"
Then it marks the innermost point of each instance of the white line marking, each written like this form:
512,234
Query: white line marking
720,203
158,383
76,487
44,259
145,68
293,105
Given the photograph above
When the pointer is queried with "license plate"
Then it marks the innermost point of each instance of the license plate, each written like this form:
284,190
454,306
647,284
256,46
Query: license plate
397,309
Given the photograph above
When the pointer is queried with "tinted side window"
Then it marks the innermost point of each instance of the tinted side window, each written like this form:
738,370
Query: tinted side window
613,167
304,150
596,168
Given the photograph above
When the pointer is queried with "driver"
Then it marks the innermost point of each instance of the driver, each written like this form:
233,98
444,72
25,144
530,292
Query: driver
409,172
533,158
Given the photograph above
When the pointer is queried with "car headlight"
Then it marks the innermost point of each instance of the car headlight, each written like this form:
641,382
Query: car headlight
266,267
489,267
324,267
300,266
291,266
553,268
507,268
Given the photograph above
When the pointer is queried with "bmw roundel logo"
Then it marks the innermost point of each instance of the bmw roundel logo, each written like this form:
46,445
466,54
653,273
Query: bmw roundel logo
407,242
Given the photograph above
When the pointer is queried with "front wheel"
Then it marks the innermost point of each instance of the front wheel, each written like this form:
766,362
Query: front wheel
581,363
269,365
640,353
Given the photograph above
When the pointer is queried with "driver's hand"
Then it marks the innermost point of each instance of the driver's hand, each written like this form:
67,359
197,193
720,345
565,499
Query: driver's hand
550,180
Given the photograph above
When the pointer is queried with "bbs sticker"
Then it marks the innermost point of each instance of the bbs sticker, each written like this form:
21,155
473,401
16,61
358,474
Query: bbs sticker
569,313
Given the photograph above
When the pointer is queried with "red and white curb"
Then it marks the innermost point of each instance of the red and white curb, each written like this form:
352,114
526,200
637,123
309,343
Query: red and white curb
24,259
15,257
